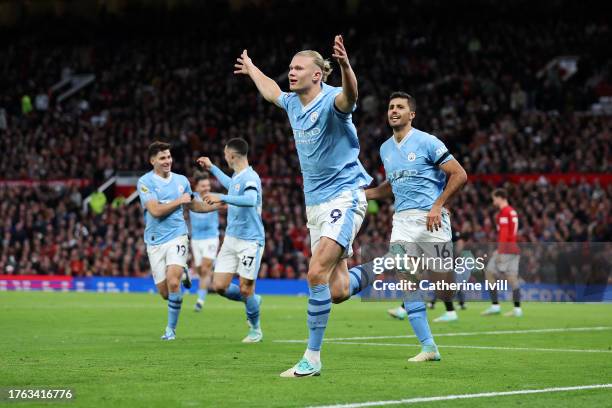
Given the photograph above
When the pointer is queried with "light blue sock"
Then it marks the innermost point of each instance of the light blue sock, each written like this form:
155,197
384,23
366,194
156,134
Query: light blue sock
355,280
417,316
319,306
233,293
202,295
361,277
175,301
252,311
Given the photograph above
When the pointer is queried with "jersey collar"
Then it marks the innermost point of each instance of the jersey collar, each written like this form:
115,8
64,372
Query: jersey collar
315,100
163,180
400,144
243,170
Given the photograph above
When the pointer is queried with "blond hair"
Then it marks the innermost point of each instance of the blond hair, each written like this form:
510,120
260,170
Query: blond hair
324,64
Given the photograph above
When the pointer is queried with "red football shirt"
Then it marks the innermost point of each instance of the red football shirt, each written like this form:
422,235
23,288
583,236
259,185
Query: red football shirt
507,229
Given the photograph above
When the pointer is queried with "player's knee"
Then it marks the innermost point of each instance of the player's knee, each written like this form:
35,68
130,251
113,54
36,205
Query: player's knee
318,270
316,277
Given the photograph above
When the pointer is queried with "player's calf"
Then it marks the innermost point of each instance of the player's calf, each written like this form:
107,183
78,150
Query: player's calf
175,300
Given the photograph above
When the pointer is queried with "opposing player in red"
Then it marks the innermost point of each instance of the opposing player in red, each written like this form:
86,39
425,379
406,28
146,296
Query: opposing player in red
504,264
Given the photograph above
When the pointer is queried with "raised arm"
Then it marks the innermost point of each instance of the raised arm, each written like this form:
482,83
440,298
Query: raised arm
206,164
348,97
267,87
223,178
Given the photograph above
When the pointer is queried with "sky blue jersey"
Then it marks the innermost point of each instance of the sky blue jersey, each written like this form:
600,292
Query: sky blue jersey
244,220
204,225
412,168
153,187
327,145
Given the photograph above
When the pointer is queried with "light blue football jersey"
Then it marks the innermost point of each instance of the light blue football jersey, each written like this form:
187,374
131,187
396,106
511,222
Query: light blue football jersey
245,222
412,168
204,225
327,145
153,187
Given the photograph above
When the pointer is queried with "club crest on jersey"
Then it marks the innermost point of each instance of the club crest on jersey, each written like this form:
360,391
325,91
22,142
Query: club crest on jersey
411,156
237,187
181,189
314,116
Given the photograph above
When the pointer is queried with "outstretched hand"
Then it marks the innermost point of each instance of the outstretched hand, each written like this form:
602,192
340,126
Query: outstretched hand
243,64
340,52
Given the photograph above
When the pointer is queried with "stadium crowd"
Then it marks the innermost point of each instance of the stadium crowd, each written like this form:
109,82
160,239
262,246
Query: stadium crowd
45,230
481,92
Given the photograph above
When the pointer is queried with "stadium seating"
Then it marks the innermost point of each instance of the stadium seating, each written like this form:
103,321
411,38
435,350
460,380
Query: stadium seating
496,111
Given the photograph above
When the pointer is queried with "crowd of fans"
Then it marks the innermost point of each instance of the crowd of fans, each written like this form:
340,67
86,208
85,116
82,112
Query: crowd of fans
45,230
480,90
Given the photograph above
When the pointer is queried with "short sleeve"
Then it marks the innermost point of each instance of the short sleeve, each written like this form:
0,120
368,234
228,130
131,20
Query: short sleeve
251,184
437,152
145,192
334,108
283,101
188,186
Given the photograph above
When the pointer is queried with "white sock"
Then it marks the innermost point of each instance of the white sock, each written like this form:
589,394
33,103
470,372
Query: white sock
313,356
495,307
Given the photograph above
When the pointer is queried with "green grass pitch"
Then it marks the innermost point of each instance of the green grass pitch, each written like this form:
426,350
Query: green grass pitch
106,347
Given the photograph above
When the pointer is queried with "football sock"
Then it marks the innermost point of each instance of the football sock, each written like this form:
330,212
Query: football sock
361,277
232,292
461,297
175,301
252,311
516,297
494,298
449,306
417,316
319,307
202,295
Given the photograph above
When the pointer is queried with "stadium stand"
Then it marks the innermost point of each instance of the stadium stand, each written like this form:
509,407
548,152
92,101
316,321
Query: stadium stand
488,97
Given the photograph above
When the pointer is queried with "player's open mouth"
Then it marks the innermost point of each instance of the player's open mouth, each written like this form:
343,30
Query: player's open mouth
394,118
292,81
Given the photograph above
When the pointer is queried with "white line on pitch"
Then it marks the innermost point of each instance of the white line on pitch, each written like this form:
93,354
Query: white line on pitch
465,396
444,346
412,336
